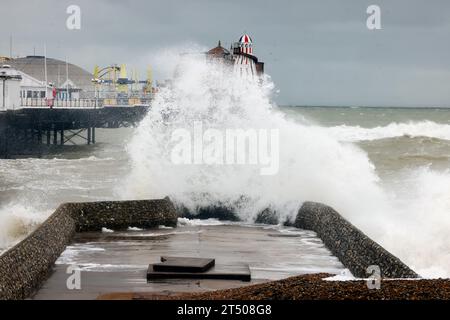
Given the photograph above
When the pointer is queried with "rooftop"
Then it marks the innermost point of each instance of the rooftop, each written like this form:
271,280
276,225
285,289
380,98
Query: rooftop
56,71
218,51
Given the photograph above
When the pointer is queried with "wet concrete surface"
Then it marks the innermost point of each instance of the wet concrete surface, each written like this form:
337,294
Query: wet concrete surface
110,262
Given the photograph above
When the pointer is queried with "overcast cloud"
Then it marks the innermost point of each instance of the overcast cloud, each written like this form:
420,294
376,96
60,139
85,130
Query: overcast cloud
318,52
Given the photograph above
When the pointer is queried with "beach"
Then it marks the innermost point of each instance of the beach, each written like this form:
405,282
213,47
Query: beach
314,287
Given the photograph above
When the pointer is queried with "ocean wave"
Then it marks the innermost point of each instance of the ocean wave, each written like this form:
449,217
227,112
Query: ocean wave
423,156
90,158
199,222
418,232
314,165
428,129
16,222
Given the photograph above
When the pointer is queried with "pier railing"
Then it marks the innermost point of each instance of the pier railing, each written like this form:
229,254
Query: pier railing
62,103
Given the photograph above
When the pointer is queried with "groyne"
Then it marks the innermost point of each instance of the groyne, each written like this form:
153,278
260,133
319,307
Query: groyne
24,267
352,247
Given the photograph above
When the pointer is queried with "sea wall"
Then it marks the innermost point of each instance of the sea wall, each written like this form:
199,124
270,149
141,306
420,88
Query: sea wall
353,248
217,211
116,215
24,267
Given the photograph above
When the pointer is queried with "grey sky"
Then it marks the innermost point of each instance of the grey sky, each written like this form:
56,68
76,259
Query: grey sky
318,52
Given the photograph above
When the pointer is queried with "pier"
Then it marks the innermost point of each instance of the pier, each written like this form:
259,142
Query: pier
35,130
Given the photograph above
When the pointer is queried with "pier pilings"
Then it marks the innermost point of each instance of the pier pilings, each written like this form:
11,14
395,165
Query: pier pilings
22,131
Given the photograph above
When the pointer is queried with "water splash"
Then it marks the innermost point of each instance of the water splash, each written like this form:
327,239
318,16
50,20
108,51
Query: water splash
16,222
313,165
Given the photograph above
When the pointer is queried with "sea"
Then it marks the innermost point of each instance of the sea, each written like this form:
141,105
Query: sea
387,170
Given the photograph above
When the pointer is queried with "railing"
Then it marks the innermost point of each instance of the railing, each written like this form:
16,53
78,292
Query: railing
82,103
61,103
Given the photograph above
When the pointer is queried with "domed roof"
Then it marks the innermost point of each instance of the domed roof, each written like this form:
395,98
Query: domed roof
245,39
56,71
218,51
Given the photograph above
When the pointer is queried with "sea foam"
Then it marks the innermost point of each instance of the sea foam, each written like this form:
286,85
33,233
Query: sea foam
314,165
429,129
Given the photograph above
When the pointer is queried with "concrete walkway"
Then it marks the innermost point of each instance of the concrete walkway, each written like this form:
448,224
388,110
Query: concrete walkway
111,262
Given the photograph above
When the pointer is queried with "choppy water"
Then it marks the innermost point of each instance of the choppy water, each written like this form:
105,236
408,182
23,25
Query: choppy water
393,138
31,188
386,169
410,150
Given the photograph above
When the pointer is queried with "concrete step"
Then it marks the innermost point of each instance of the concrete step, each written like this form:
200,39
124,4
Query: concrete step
183,264
222,272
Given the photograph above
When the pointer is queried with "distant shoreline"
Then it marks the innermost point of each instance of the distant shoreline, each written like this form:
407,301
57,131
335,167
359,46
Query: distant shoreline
366,107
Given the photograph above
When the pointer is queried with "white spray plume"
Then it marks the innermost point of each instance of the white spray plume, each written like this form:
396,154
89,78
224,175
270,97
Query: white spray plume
314,166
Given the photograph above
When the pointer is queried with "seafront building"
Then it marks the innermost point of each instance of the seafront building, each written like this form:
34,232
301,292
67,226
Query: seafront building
40,81
44,81
240,57
46,103
10,88
69,80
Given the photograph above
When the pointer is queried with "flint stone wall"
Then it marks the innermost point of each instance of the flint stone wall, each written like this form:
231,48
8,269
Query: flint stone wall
353,248
24,267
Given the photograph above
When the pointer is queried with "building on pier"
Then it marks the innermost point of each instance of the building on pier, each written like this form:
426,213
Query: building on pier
49,82
69,80
240,57
10,81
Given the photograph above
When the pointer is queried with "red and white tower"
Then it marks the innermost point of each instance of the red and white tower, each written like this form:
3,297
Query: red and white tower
240,56
246,64
246,44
